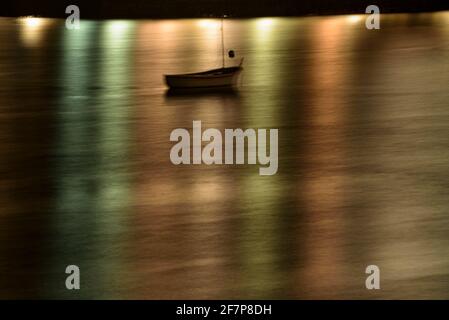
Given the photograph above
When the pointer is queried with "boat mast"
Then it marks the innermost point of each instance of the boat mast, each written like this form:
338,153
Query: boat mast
222,41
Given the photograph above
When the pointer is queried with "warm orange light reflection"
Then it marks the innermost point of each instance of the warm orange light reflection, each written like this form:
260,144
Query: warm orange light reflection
118,27
322,189
354,19
209,23
167,26
32,21
265,24
32,30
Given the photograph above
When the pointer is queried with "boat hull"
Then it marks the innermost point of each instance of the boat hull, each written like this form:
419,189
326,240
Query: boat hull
217,78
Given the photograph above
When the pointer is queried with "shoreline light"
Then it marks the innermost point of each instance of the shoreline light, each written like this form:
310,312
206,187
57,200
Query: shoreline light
354,18
30,21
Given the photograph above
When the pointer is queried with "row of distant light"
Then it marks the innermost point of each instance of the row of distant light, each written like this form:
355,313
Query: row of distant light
32,26
31,21
117,26
214,23
263,23
266,23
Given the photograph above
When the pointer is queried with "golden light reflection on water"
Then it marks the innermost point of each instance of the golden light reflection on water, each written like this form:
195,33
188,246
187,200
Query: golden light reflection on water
259,247
191,202
212,25
361,159
260,226
32,30
406,198
265,24
355,19
322,191
262,108
113,199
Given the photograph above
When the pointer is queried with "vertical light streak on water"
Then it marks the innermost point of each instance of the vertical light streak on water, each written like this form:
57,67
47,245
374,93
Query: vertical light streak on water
263,71
196,198
6,97
155,189
322,189
411,191
111,206
259,243
92,145
75,161
363,161
209,195
32,30
21,91
209,42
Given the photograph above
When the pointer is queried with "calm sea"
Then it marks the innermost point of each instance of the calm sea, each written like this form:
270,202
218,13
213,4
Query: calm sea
86,178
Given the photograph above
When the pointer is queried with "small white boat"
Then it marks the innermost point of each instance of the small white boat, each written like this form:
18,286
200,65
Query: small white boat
216,78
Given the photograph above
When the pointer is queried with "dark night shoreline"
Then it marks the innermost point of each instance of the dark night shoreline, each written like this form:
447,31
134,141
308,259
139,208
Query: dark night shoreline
140,9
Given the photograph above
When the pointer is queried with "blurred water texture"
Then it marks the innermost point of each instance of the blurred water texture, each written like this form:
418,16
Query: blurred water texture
86,178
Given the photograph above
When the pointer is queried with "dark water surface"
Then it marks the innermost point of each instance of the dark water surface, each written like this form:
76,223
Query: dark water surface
86,178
